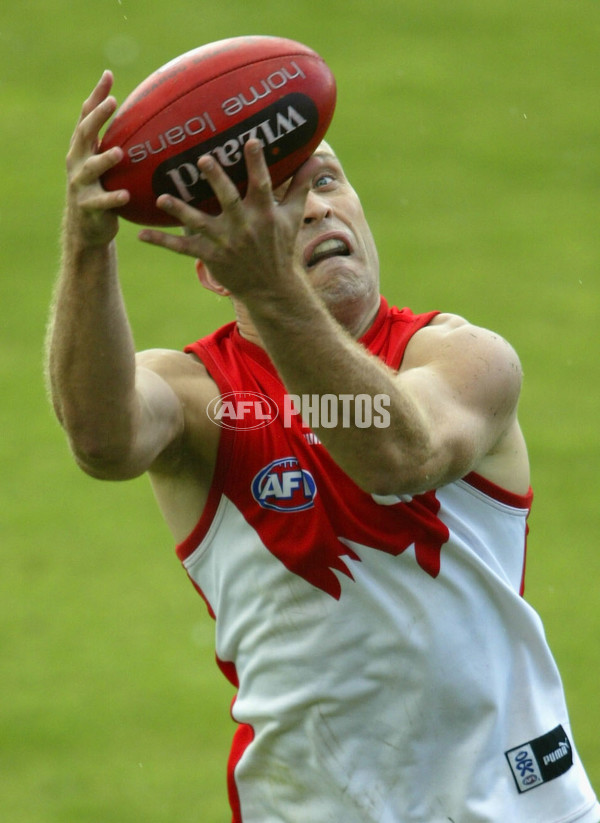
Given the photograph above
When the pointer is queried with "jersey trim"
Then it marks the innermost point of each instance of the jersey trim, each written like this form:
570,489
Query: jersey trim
222,465
497,494
502,495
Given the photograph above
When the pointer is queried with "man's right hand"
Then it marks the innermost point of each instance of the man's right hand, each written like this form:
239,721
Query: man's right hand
91,219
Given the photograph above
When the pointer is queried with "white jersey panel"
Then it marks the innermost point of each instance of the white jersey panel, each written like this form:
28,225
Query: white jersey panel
431,662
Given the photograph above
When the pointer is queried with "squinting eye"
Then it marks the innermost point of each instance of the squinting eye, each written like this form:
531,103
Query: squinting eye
323,180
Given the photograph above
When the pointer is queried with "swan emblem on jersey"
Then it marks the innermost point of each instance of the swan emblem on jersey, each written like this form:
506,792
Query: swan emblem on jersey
320,532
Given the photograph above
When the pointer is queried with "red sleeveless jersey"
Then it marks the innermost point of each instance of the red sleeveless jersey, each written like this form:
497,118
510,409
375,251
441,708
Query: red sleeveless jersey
388,669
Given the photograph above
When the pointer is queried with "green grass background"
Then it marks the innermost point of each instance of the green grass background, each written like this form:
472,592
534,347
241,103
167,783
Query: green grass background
471,130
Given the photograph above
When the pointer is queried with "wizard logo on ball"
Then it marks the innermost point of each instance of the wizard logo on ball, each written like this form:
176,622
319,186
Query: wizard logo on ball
283,127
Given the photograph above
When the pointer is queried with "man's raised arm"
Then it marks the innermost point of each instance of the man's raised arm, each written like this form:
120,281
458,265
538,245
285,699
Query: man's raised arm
118,418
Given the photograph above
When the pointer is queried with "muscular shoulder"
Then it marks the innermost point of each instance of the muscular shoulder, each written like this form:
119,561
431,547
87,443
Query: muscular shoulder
463,347
470,380
454,329
470,366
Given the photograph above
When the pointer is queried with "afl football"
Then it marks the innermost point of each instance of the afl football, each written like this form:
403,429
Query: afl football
211,100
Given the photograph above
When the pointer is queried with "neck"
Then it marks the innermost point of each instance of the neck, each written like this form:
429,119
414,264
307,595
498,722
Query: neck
354,317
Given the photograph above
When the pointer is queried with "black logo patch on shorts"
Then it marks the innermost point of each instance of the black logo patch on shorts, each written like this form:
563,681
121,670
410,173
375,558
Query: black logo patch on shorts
540,760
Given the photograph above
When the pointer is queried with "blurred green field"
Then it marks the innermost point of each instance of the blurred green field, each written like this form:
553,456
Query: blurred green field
472,132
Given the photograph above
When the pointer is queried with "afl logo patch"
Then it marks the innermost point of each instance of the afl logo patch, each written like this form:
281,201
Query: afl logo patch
284,487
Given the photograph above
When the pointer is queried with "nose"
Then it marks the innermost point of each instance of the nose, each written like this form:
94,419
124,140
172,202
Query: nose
316,208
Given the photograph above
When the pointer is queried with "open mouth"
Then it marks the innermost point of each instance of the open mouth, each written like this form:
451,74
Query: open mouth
333,247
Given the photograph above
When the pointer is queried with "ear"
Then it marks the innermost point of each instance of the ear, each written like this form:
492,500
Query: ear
208,281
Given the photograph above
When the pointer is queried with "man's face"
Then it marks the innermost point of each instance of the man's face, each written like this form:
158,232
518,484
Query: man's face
335,245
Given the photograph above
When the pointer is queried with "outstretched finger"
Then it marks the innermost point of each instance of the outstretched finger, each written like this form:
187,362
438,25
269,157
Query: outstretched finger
162,238
86,137
100,93
222,185
91,170
260,185
95,113
192,246
193,219
97,200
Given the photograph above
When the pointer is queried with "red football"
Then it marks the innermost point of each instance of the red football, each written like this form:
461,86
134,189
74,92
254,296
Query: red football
212,100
